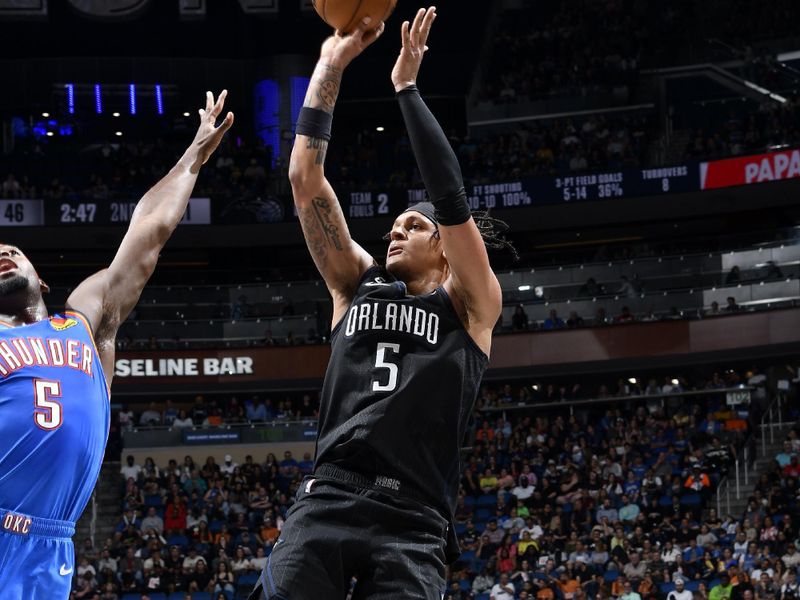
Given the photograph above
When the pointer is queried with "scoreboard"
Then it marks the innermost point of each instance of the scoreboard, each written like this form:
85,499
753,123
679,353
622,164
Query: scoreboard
383,202
32,213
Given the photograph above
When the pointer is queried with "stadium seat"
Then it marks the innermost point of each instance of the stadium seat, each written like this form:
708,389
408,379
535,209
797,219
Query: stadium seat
249,579
483,597
467,555
460,528
178,540
666,588
483,515
201,596
153,500
478,564
465,584
610,576
469,501
487,500
693,585
690,500
131,597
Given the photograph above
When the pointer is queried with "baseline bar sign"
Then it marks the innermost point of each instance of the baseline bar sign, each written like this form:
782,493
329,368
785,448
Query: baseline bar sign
183,366
745,170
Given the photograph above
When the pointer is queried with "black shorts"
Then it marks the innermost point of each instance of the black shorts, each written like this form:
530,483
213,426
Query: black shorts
336,531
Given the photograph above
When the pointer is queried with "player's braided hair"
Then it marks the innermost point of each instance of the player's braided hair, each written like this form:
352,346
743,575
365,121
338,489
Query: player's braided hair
492,231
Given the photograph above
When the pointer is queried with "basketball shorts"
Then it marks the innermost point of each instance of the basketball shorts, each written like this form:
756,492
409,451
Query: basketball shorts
336,530
37,559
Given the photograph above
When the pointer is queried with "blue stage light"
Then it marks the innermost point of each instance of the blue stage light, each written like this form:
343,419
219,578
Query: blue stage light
132,93
70,98
98,100
159,100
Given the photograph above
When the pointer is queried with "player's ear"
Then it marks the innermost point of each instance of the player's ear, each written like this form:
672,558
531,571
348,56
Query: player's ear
44,287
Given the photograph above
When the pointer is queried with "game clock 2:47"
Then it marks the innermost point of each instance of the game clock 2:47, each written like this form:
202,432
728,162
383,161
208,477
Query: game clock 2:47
77,212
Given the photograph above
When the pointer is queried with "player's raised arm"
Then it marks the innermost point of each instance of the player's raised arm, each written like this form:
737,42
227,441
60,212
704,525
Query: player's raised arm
107,297
471,280
340,261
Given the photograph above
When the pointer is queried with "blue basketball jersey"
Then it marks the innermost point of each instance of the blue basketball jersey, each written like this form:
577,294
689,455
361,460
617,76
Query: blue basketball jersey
54,417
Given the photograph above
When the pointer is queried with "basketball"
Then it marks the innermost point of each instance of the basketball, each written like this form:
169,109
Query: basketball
344,15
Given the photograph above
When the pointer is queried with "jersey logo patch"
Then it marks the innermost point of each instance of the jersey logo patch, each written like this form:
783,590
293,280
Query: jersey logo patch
379,282
14,523
64,571
60,324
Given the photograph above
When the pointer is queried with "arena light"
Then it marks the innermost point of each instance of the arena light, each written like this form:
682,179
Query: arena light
674,381
115,114
132,97
98,99
50,134
159,100
379,128
70,98
524,288
632,380
118,134
186,114
45,114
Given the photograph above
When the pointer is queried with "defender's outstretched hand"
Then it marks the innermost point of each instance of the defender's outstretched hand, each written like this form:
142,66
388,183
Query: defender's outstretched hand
340,49
209,135
414,36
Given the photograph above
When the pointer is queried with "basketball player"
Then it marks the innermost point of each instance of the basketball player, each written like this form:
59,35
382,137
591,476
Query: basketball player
410,343
55,373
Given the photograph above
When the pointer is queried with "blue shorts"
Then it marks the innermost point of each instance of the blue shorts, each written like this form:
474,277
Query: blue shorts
37,559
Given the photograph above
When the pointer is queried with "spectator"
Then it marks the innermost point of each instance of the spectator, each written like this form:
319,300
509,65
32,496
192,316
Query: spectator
575,320
153,521
151,416
628,593
503,590
524,490
723,590
680,592
553,321
519,320
732,307
734,276
228,466
130,470
182,420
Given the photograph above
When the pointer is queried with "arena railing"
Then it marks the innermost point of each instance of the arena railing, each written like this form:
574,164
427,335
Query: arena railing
731,486
735,396
272,431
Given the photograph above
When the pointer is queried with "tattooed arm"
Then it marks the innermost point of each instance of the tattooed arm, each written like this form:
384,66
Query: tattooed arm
340,260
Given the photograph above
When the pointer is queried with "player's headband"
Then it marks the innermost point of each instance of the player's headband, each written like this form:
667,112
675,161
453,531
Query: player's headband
426,209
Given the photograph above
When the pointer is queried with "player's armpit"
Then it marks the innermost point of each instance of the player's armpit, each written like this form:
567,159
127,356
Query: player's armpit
89,299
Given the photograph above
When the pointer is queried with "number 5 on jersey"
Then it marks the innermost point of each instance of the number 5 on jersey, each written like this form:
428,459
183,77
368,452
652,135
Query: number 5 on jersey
47,412
382,363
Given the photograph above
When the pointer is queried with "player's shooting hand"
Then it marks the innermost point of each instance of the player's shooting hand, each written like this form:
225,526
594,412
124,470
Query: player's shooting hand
415,36
209,135
340,48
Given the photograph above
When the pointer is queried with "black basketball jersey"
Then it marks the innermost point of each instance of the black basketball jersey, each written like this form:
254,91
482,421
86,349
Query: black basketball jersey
399,389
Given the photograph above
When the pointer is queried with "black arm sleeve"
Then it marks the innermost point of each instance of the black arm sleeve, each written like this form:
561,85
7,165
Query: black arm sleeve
436,160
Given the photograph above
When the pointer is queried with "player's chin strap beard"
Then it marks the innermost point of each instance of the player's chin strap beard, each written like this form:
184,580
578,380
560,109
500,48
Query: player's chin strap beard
13,284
